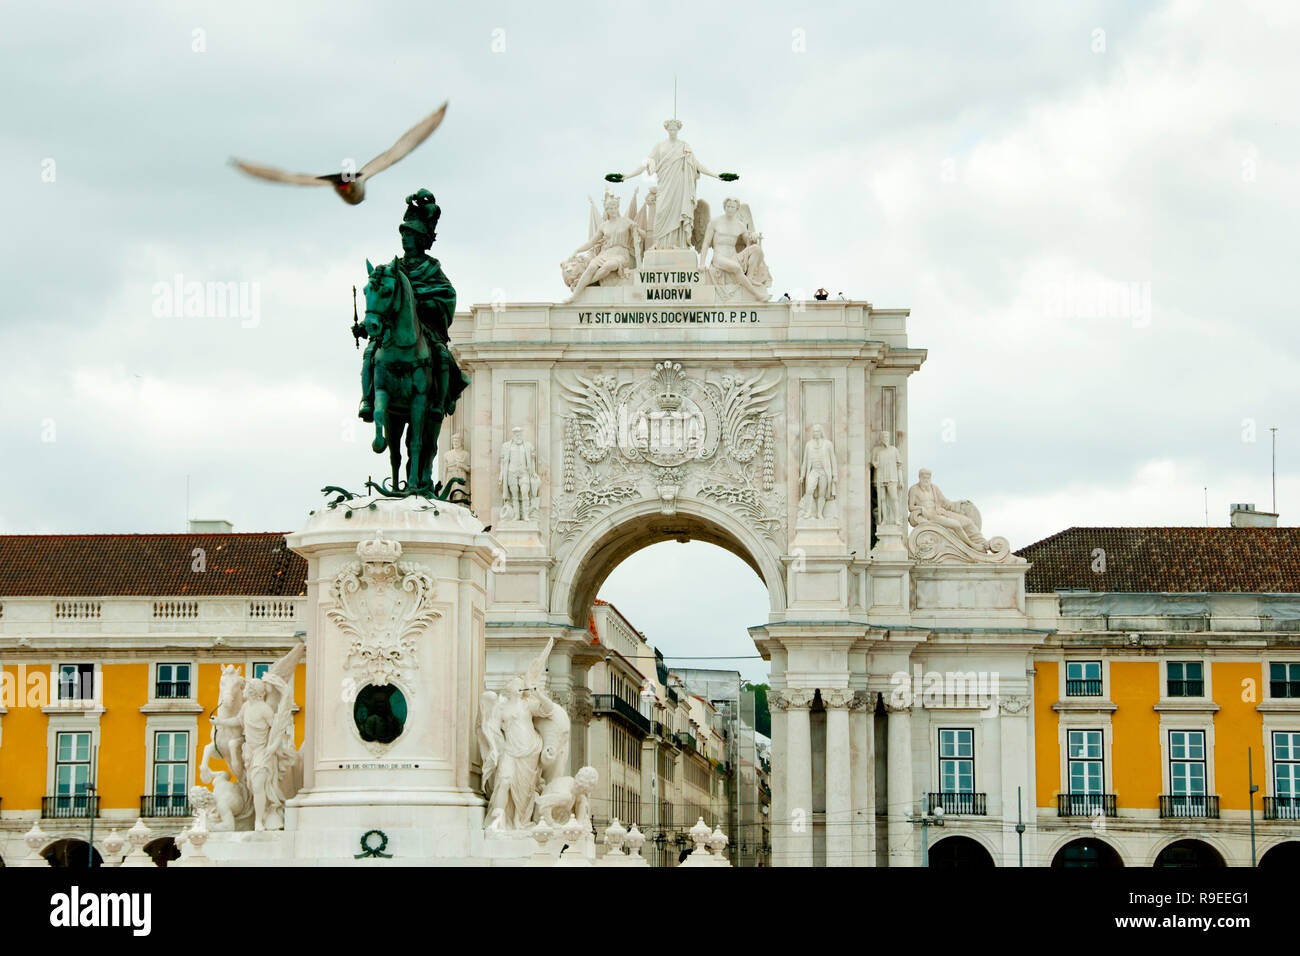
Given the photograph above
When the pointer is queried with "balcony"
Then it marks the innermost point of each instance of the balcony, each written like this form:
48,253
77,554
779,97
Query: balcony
1189,805
613,704
165,805
1085,804
1282,808
964,804
685,741
67,806
1083,688
171,690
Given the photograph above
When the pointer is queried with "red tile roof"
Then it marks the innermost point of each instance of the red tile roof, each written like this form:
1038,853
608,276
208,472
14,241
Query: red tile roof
1177,560
152,565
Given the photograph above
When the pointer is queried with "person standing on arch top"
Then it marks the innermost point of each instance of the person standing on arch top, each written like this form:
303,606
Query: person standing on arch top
435,307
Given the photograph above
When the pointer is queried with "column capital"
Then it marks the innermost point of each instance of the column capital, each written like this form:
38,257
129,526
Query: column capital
897,706
790,698
837,698
1013,705
863,700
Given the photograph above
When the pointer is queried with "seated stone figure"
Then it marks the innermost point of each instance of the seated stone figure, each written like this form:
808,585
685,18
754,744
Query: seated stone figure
927,505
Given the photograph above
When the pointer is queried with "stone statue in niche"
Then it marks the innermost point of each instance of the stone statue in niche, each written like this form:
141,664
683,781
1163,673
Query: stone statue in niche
455,462
729,237
887,463
818,475
521,486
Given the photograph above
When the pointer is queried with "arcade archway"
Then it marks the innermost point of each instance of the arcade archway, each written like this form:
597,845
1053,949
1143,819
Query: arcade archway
1283,856
1088,854
72,853
960,853
1190,854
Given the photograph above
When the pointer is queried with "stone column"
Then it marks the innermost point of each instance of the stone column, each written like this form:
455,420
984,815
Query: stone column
1013,731
899,784
780,814
839,785
862,738
798,774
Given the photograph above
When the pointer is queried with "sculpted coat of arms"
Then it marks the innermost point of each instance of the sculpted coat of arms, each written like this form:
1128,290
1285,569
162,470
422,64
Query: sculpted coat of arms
669,434
382,604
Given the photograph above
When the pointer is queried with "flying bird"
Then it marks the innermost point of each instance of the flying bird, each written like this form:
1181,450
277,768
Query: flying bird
351,186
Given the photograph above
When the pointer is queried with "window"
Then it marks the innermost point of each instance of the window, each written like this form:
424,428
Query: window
1284,680
173,681
171,757
1286,767
1186,679
1083,678
1187,763
71,771
260,669
1084,757
76,682
957,761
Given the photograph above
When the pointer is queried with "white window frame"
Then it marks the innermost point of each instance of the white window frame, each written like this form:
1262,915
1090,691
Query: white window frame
940,731
173,662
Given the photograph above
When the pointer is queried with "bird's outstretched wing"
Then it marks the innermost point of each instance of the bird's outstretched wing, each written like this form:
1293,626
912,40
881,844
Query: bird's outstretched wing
279,175
412,138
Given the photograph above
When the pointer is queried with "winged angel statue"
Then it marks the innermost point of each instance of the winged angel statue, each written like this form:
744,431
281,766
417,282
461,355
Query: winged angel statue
613,247
524,742
737,250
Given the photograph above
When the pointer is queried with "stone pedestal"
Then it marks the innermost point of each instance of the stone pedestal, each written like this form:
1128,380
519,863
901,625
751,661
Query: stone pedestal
396,599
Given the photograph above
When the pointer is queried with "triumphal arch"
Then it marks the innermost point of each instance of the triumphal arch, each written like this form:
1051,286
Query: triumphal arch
676,394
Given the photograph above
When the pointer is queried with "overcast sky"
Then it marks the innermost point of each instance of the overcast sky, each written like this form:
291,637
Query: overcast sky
992,167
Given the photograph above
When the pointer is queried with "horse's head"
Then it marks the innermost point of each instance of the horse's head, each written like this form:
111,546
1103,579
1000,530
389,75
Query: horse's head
387,292
230,695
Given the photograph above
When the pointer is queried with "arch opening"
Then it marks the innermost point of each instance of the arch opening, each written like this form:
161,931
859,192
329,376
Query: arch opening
72,853
595,556
960,853
1282,856
1087,853
1190,854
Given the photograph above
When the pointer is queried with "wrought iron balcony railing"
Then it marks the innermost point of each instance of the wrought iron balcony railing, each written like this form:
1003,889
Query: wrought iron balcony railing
968,804
66,805
1085,804
685,741
1189,805
171,689
165,805
1083,688
613,704
1282,808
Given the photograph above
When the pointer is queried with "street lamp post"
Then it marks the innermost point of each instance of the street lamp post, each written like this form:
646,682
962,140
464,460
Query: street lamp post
926,819
1020,830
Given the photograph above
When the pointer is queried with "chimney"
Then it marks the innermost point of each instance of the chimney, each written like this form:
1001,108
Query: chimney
1245,516
210,527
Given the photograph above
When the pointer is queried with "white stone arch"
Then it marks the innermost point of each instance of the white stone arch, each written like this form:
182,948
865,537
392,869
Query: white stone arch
632,526
1064,840
975,836
1164,841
